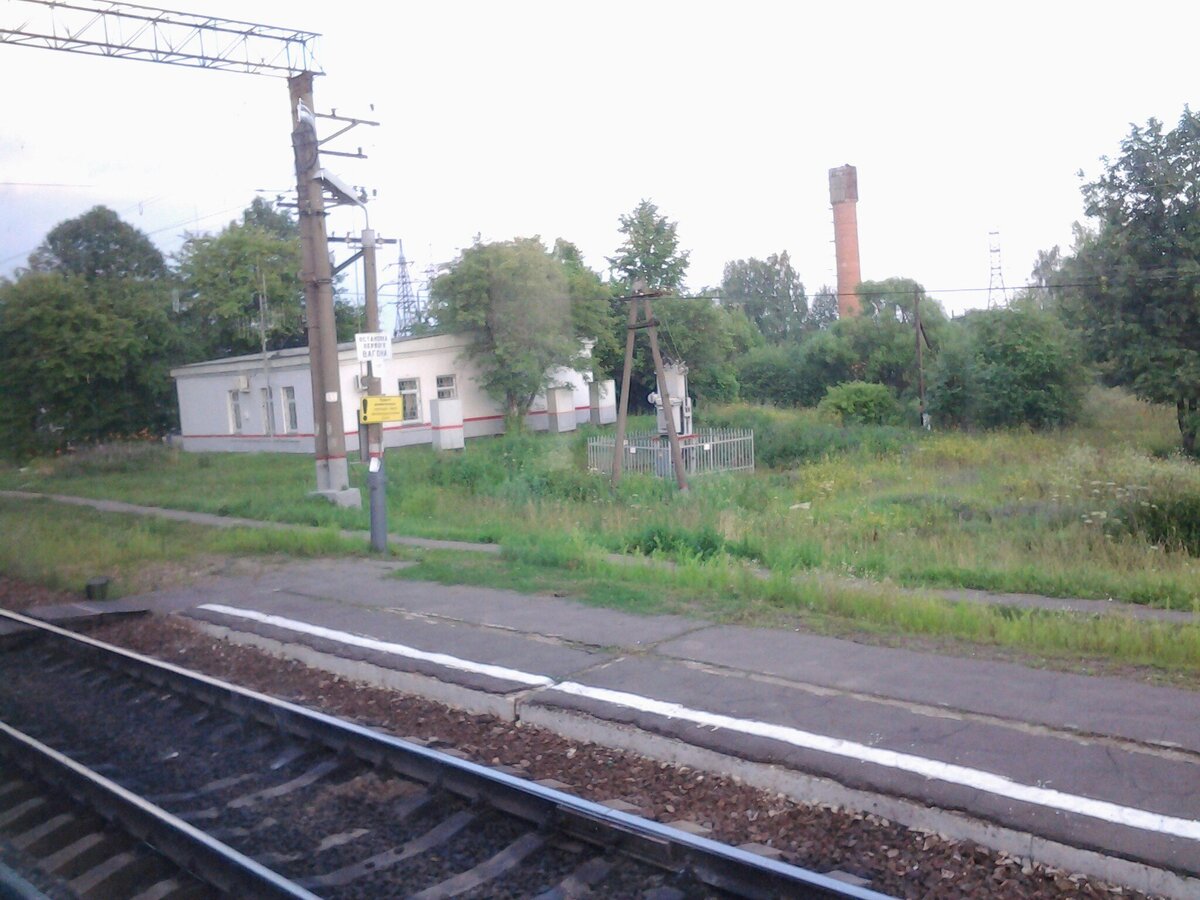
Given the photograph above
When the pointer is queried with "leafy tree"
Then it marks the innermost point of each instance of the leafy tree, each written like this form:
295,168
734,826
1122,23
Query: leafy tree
883,338
650,252
1006,367
823,311
515,298
877,347
771,374
770,293
83,360
1134,285
98,245
592,315
950,386
266,217
222,278
707,338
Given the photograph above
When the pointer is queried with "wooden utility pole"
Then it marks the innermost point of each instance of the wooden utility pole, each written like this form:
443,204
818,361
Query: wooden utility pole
623,413
651,326
333,473
920,364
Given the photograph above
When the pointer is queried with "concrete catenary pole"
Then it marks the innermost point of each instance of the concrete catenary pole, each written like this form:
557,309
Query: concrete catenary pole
333,475
843,194
371,309
376,474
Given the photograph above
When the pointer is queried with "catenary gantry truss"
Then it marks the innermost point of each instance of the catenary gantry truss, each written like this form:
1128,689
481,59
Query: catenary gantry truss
130,31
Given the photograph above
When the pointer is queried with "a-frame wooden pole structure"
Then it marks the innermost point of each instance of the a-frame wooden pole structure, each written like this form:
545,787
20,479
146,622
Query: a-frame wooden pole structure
650,324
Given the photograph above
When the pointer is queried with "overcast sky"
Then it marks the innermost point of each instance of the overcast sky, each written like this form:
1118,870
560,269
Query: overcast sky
518,118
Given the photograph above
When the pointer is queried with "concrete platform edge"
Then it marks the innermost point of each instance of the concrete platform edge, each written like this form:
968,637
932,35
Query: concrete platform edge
801,787
467,699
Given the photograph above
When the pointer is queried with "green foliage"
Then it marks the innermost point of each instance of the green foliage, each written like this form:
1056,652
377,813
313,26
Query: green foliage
1131,286
823,311
768,375
650,254
98,245
673,540
514,297
770,293
1008,367
233,283
784,440
704,335
262,215
878,347
950,382
883,338
82,360
592,316
1172,522
859,403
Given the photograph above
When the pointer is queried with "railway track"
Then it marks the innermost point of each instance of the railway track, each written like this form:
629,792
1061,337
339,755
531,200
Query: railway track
201,788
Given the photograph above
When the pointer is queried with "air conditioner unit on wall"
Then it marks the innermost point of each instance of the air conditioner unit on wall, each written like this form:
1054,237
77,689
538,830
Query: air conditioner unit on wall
243,383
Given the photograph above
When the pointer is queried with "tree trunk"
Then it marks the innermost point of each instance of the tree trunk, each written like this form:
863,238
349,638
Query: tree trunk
1185,414
514,414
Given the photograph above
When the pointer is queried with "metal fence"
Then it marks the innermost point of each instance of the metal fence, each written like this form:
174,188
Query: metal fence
719,450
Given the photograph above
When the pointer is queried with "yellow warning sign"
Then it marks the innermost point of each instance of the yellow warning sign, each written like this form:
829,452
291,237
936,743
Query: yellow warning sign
381,409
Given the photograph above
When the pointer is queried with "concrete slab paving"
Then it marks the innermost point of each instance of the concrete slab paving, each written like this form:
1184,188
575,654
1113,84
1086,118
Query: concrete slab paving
1084,703
529,614
391,637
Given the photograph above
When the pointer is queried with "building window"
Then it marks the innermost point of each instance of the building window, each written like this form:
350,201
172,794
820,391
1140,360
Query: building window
268,405
291,423
447,387
410,390
235,412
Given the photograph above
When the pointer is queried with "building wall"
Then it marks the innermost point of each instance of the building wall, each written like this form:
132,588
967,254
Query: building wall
206,415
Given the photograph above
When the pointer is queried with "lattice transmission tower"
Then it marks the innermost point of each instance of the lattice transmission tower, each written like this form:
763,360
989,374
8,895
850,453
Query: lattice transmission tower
410,309
997,293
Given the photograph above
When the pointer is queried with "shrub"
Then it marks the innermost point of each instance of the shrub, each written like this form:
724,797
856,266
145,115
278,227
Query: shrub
784,439
702,542
771,375
1172,522
859,403
1009,367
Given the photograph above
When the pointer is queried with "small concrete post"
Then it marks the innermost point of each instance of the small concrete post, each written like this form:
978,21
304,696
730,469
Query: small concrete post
377,501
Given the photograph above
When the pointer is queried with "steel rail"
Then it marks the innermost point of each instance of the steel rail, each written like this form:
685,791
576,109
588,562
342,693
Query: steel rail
719,865
189,848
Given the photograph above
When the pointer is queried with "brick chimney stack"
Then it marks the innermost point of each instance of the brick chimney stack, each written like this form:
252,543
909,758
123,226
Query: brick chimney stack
843,194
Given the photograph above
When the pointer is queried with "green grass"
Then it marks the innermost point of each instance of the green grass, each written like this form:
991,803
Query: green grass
1096,511
63,546
723,593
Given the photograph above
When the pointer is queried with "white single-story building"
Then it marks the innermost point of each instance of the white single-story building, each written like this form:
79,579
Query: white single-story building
264,402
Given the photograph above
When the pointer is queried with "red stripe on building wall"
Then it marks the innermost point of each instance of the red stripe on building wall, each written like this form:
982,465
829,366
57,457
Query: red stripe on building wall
248,437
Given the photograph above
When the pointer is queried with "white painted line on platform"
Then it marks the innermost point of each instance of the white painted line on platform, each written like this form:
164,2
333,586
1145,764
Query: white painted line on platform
929,768
345,637
905,762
